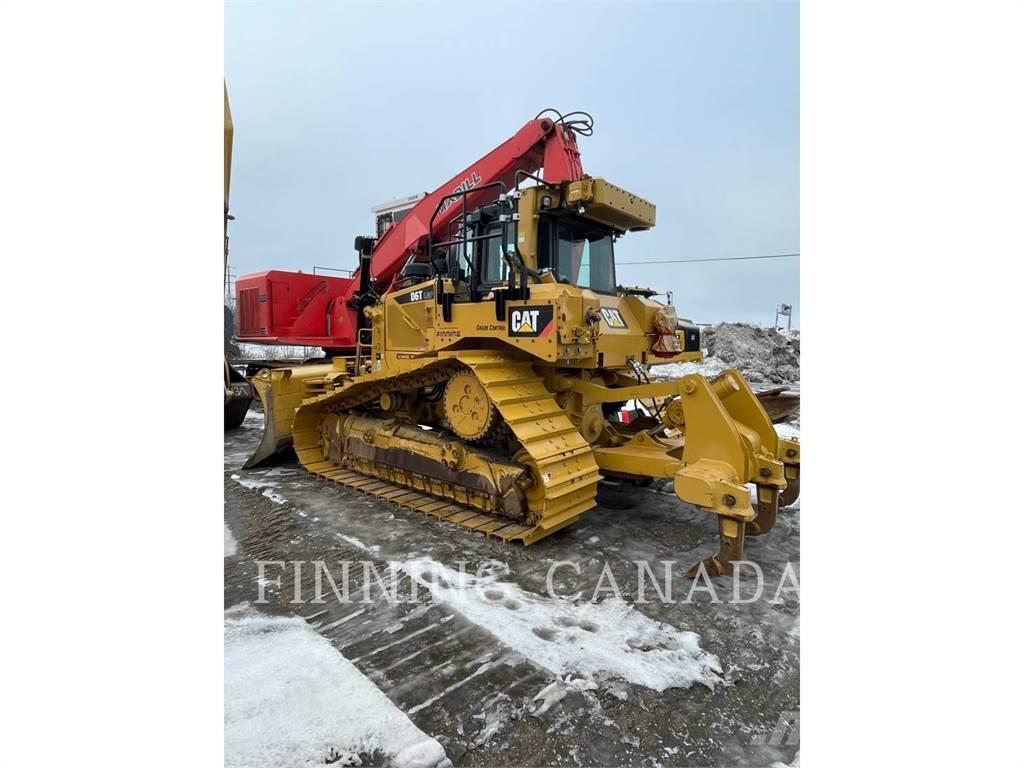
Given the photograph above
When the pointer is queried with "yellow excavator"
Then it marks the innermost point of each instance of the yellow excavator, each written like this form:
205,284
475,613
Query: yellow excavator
482,352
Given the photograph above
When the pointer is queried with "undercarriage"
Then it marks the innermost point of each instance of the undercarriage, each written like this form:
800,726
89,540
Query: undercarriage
501,446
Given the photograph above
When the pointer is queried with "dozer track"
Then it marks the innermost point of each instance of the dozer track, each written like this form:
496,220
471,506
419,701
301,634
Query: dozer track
428,503
564,470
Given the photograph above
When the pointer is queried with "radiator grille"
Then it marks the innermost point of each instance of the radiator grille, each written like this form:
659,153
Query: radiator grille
248,312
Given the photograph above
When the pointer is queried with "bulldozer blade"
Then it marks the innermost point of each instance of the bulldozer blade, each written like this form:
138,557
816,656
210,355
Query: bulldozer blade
280,392
269,444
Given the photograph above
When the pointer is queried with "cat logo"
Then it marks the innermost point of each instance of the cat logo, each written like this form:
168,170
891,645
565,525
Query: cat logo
612,318
525,320
531,321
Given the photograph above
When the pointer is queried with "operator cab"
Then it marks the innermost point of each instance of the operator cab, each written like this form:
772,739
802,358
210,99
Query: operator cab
566,232
576,250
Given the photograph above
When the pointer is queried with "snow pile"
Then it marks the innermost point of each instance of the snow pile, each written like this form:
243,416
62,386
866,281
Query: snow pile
595,641
709,367
290,699
277,352
760,354
230,545
789,431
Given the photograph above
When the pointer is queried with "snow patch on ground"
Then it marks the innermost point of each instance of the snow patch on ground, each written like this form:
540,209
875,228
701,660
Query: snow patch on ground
557,690
290,698
274,497
277,352
595,641
788,431
230,545
794,631
259,483
794,764
374,550
254,482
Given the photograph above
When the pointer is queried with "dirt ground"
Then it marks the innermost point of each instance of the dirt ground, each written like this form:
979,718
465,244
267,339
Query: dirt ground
460,683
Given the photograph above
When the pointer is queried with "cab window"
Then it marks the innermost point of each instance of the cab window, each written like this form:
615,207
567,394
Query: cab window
582,255
495,268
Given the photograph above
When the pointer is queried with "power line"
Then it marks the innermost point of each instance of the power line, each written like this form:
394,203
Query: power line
723,258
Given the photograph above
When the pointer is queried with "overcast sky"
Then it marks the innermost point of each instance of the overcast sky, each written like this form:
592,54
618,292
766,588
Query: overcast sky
339,106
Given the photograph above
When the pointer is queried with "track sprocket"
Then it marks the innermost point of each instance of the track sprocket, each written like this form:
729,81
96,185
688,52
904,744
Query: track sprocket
468,410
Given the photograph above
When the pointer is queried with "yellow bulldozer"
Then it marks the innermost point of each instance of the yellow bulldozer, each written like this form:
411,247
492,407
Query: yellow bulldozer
483,350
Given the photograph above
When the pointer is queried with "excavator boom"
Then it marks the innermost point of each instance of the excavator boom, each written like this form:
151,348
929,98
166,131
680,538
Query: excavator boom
279,307
539,143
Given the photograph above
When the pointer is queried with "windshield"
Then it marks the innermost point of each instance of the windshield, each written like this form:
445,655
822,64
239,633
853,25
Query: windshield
583,255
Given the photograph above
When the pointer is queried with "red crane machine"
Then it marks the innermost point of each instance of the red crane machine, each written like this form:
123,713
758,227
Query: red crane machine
278,307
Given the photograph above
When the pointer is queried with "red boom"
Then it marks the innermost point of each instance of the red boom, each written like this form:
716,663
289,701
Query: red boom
313,310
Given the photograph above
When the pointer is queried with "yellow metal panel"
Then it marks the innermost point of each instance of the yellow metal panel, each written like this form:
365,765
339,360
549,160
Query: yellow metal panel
612,205
229,134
